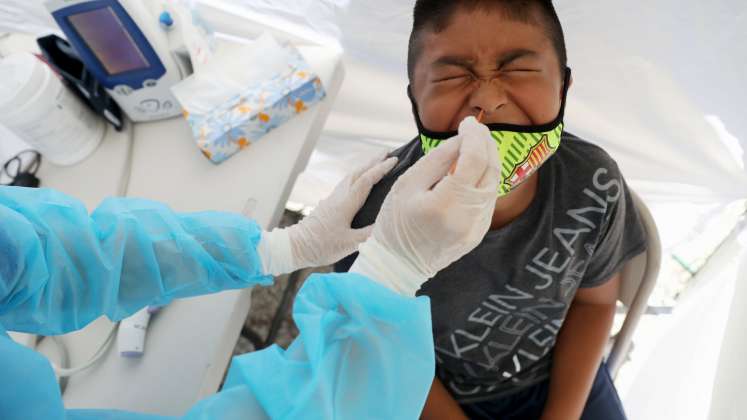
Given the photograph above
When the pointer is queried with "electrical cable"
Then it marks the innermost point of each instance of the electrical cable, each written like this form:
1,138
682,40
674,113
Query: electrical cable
64,360
124,180
65,372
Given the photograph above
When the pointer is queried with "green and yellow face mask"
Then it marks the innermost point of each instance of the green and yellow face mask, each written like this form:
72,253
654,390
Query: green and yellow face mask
523,149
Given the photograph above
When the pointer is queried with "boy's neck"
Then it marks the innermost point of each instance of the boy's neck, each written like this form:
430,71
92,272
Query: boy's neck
510,207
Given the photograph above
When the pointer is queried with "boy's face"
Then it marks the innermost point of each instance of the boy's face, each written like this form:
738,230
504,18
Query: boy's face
485,62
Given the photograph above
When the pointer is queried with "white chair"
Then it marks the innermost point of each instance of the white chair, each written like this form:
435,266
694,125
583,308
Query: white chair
639,277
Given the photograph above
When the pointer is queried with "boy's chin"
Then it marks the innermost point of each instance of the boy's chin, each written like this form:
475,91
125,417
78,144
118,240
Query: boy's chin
504,199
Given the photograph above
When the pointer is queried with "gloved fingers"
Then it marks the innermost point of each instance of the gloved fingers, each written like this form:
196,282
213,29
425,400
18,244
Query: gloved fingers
492,177
377,158
453,193
360,235
350,193
474,153
431,169
365,182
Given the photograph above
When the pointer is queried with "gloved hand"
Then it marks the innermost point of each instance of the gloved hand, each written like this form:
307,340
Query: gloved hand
326,235
432,218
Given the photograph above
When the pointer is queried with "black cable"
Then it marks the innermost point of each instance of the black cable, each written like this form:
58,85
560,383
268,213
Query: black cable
22,169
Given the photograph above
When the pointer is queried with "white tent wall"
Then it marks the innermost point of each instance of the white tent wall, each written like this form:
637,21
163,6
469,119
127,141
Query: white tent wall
731,376
660,85
655,83
672,375
28,17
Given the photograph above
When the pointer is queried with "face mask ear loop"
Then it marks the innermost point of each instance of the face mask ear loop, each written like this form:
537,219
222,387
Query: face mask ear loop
415,110
566,86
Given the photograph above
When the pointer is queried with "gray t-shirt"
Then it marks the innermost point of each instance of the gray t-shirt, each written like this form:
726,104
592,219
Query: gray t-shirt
497,311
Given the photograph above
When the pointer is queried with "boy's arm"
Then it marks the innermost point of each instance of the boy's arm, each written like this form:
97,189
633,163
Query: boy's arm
441,405
579,350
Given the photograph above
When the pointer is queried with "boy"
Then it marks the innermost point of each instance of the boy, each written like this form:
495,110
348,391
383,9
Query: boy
520,323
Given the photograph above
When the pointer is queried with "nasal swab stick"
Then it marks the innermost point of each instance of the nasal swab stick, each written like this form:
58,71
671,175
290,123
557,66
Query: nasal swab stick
479,119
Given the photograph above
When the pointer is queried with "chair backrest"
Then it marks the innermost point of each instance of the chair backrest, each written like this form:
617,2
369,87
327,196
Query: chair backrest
639,277
632,278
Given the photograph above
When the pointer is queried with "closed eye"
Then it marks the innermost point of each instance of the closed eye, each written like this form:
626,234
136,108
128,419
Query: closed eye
521,70
453,78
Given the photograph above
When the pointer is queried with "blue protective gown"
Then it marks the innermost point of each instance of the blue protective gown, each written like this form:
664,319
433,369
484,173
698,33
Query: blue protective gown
363,351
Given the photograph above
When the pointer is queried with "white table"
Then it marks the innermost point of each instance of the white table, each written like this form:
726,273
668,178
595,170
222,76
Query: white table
189,343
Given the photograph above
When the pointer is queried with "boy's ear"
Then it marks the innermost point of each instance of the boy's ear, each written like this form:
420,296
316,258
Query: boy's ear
570,84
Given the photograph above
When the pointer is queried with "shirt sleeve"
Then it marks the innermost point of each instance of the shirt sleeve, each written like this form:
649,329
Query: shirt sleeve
60,268
622,234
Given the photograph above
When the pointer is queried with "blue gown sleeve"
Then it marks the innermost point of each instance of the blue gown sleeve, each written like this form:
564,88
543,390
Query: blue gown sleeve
363,352
60,268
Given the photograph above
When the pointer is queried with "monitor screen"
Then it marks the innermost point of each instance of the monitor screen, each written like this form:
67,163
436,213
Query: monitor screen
105,35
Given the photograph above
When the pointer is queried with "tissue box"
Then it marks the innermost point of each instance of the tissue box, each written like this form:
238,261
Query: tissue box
256,110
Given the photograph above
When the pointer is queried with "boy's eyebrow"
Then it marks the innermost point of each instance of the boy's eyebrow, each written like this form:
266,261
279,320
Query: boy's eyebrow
454,60
514,55
468,63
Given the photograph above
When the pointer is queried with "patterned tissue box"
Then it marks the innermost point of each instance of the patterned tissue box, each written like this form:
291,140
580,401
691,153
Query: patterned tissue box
256,110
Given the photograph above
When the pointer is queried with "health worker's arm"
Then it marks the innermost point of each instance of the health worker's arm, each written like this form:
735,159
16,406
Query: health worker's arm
579,350
60,268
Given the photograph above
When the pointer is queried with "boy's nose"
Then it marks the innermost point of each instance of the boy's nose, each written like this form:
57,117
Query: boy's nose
489,98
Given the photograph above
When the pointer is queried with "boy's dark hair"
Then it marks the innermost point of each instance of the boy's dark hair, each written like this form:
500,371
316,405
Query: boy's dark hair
435,15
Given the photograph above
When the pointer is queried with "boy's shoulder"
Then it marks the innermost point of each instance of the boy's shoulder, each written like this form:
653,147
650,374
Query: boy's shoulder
580,156
407,155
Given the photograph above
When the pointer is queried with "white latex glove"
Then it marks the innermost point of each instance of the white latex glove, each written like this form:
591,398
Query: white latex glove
326,235
432,218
